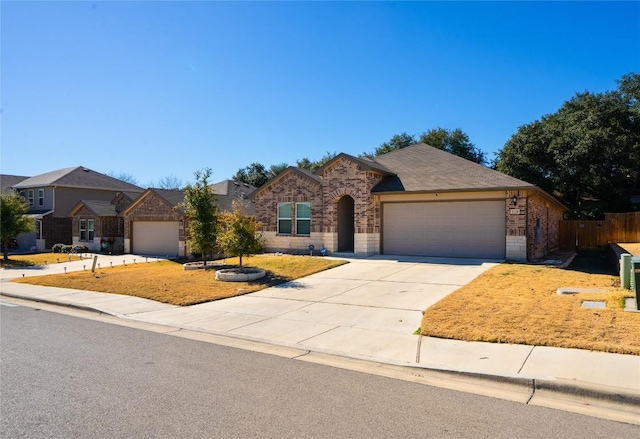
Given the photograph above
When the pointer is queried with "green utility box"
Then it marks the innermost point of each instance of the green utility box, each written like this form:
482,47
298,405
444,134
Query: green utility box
635,279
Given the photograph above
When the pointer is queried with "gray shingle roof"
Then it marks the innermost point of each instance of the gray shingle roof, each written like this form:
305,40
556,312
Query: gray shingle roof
233,188
9,181
423,168
365,164
78,177
101,208
173,197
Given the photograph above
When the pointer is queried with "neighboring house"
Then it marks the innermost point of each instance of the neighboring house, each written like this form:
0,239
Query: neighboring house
8,181
156,224
99,225
53,195
417,201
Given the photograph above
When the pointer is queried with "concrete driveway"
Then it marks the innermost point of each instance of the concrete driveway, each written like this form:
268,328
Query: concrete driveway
368,308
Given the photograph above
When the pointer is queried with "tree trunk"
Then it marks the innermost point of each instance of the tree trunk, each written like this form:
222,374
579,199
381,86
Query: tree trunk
240,262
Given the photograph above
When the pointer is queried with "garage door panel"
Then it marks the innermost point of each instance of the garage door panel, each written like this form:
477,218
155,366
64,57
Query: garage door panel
156,238
450,229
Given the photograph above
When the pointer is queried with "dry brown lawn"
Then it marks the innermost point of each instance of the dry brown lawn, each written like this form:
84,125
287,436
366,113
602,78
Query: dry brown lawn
514,303
38,259
632,248
166,281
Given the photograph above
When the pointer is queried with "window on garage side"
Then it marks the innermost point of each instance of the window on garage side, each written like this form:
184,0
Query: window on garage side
303,218
40,197
90,229
83,230
284,218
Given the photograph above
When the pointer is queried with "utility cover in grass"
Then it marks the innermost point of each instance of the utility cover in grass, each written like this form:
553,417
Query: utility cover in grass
593,304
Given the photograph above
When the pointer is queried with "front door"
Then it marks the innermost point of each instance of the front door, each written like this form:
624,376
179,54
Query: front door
346,227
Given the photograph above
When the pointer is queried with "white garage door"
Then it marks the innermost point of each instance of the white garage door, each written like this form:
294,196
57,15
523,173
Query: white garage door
159,238
460,229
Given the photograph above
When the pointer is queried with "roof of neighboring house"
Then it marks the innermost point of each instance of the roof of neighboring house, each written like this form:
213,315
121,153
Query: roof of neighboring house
233,188
100,208
78,177
423,168
172,196
9,181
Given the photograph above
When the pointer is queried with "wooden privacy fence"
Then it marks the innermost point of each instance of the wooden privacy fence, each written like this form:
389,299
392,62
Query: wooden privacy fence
592,235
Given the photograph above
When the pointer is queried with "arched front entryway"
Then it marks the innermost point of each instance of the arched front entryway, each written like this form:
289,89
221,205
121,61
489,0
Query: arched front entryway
346,227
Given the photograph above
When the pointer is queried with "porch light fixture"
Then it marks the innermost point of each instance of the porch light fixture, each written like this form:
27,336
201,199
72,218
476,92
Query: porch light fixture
514,200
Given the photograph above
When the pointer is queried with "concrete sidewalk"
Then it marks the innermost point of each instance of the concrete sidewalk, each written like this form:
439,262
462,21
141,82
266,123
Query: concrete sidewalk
367,310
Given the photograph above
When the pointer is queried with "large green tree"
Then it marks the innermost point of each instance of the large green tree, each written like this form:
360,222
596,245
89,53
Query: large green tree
309,165
239,234
397,141
13,220
202,214
255,174
587,153
452,141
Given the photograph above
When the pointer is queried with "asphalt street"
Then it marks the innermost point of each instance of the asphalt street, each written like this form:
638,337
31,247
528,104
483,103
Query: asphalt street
65,377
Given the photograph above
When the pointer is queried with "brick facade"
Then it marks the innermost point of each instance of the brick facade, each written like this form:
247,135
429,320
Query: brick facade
56,230
341,178
153,208
532,223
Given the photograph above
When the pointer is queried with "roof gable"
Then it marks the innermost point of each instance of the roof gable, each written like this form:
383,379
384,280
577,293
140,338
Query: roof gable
363,163
173,198
423,168
308,175
78,177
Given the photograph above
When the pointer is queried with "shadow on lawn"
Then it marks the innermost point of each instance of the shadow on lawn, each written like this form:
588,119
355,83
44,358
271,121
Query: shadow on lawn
593,262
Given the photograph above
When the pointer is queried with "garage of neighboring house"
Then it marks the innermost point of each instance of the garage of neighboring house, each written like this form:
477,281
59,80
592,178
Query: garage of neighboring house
463,229
154,224
155,238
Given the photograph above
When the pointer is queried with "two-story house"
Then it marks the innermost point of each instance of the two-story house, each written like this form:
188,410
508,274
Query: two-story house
52,196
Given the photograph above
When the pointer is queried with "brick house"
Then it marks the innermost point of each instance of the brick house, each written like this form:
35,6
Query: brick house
414,201
156,224
51,197
99,224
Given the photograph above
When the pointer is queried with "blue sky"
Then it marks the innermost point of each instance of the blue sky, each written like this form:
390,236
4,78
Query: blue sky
154,89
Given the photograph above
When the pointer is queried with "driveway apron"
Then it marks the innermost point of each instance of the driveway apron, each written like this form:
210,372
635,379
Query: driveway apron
367,308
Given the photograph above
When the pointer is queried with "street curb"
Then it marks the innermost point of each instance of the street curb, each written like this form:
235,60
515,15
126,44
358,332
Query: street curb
59,303
556,386
589,390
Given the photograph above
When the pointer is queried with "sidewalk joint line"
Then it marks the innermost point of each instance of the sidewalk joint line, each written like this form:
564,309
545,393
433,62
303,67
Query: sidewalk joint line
527,358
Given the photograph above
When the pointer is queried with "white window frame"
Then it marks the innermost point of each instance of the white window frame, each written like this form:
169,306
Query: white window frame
83,230
30,197
91,229
279,218
41,197
299,219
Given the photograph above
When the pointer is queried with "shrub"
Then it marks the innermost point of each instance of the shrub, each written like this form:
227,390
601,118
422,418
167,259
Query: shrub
57,248
66,248
81,248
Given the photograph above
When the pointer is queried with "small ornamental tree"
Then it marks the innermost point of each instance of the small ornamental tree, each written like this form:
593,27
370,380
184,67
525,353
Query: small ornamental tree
202,214
239,234
13,220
